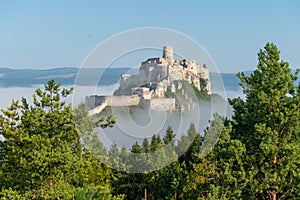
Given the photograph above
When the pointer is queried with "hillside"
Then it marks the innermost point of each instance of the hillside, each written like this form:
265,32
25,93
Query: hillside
66,76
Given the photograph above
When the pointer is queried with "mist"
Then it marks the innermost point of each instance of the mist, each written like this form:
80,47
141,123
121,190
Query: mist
135,124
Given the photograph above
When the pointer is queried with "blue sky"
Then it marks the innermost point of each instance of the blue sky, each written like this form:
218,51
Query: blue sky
40,34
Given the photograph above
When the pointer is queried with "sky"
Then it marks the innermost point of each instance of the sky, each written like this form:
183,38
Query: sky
46,34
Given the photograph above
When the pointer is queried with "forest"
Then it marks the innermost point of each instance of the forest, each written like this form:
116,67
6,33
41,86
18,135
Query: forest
51,151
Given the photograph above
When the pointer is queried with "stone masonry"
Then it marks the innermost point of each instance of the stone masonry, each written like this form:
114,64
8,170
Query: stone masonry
149,87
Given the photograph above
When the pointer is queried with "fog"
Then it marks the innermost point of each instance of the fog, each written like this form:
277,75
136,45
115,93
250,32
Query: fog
135,124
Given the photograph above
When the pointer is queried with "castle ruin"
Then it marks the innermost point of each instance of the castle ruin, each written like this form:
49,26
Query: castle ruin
156,76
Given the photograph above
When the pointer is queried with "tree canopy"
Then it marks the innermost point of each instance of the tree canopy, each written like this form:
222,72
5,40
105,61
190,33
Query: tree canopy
52,152
42,155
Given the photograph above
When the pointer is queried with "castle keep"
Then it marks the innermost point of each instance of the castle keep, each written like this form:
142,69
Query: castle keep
156,76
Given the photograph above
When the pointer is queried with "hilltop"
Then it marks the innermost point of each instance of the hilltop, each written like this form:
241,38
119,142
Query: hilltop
163,83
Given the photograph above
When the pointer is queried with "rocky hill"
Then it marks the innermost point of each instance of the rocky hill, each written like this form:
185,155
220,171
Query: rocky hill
157,75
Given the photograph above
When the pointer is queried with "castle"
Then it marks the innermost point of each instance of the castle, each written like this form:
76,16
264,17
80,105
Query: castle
156,76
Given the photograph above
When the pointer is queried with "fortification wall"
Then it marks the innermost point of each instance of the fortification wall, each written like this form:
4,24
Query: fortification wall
132,100
94,101
97,103
153,72
163,104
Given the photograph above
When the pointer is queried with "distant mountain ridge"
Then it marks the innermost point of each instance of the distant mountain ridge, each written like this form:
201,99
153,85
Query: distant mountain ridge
66,76
88,76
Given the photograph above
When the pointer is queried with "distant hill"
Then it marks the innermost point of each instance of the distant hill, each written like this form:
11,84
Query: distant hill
67,76
230,81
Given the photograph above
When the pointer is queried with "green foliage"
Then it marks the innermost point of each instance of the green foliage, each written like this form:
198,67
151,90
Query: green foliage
9,194
203,85
169,93
182,144
253,156
40,140
169,136
50,152
267,123
85,126
42,156
110,121
187,92
89,192
153,144
212,134
200,94
257,157
146,146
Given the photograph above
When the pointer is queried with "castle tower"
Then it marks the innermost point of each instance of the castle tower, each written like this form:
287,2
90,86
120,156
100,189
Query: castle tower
168,54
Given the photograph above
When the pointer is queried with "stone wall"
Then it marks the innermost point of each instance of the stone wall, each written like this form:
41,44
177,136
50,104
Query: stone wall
127,83
96,104
94,101
132,100
163,104
153,72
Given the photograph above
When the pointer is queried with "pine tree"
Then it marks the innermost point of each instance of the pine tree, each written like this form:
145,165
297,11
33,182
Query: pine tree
85,126
267,123
123,155
153,144
159,142
40,140
257,157
218,172
42,156
169,137
146,146
113,156
182,146
192,132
